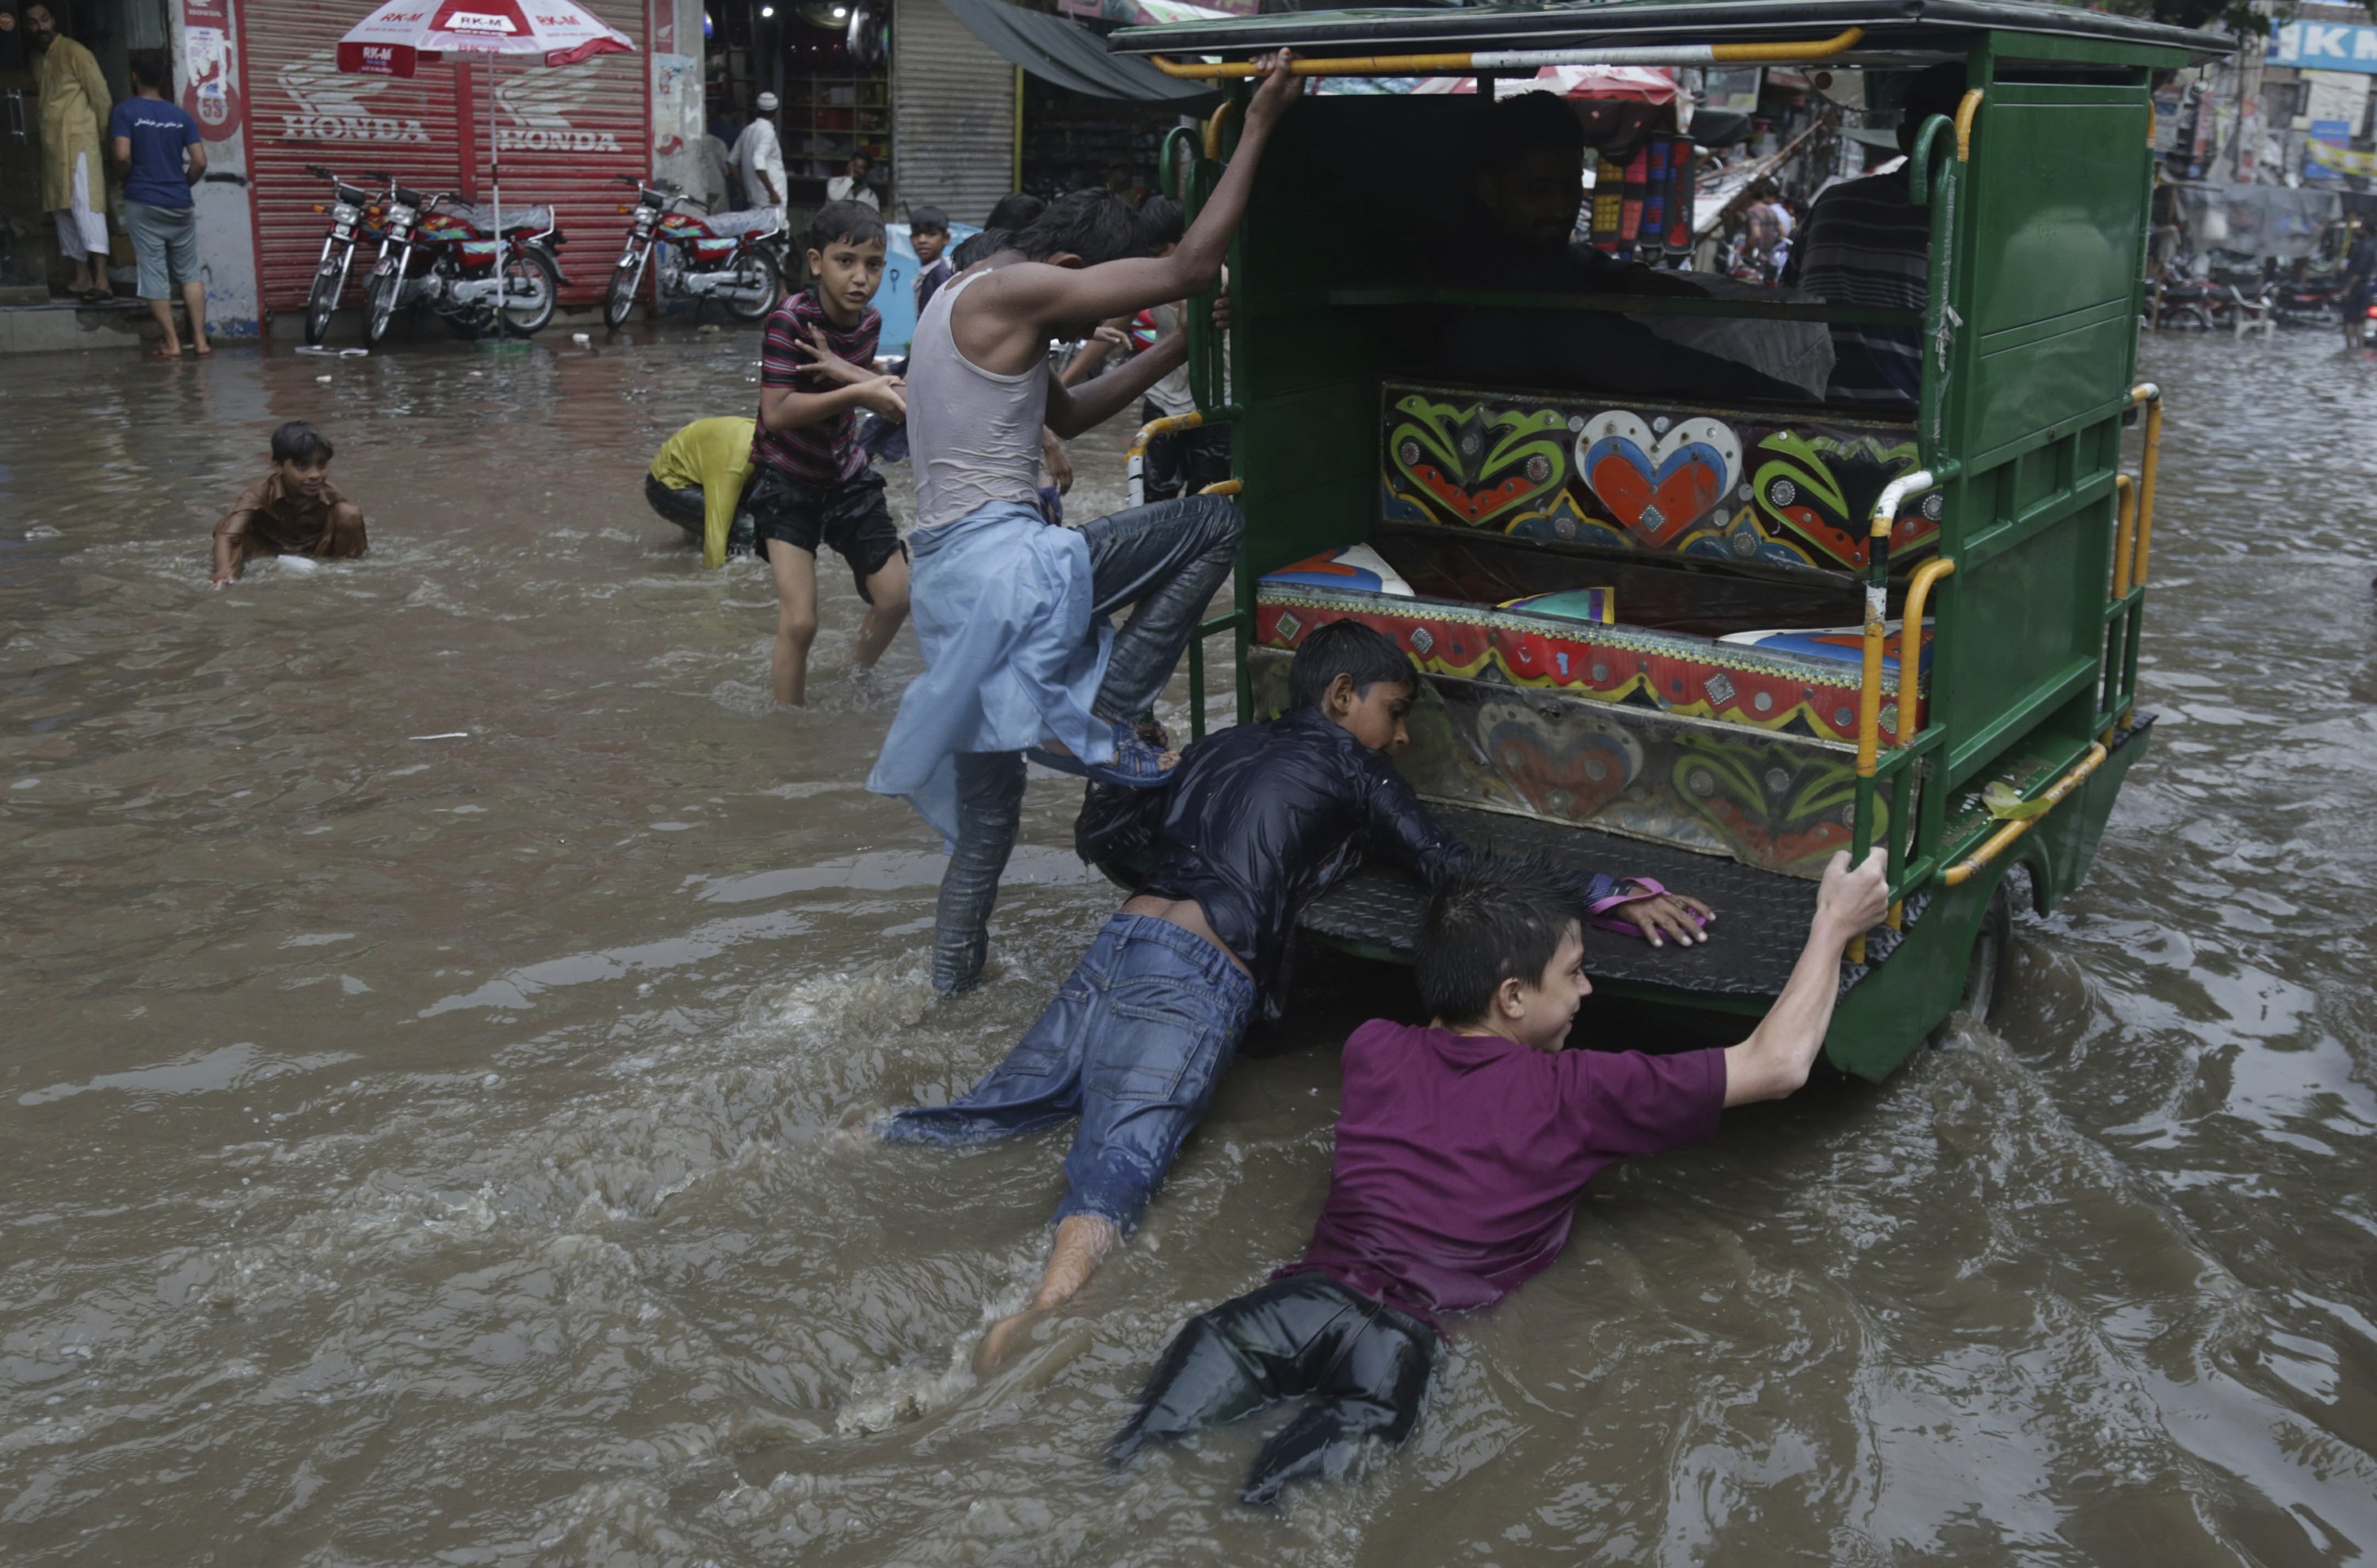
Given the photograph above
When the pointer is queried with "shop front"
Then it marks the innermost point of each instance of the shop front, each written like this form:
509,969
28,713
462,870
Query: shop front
565,135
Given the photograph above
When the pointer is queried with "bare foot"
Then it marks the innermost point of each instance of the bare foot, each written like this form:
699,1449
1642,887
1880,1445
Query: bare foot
1004,1339
202,350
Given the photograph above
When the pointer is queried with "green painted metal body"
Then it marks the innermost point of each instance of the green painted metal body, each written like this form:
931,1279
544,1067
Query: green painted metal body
2030,333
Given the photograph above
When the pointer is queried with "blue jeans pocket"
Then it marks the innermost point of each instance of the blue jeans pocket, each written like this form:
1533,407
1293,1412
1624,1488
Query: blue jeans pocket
1161,1047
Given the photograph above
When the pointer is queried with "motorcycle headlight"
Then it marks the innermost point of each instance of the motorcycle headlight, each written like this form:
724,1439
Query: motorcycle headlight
344,212
401,217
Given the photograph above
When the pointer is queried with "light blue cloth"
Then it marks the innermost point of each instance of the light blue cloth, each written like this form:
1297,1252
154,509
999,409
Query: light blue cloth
1001,604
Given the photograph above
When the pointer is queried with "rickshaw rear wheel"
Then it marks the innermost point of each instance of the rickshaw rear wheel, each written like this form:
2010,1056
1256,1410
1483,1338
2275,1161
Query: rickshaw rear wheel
1985,966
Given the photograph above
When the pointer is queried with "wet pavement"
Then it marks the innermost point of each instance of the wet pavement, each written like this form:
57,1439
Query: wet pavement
417,1150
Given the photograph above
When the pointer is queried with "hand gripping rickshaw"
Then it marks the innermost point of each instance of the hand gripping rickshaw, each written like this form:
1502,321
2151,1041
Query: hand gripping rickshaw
1708,639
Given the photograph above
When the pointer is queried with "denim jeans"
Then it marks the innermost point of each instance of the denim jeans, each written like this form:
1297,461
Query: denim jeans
1132,1044
1168,560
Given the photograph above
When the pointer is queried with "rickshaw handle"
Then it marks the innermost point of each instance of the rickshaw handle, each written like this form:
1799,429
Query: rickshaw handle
2146,392
1170,424
1910,640
2125,523
1168,173
1528,59
1994,845
1918,191
1214,125
1877,602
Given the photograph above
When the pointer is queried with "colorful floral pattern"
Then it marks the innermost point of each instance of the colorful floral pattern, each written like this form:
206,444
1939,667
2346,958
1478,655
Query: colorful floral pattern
1766,490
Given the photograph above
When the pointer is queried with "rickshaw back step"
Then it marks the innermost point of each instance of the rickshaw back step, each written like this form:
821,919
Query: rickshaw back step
1760,927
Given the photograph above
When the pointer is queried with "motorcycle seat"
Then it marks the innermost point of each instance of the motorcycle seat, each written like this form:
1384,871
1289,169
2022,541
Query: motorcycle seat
517,216
726,225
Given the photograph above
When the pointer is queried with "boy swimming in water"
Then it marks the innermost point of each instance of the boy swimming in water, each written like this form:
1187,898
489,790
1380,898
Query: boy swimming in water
1461,1149
293,510
1259,820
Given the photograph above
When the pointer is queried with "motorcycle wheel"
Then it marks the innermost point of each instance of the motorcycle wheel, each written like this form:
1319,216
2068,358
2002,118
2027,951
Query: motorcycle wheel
2187,318
626,279
330,282
527,316
755,275
379,303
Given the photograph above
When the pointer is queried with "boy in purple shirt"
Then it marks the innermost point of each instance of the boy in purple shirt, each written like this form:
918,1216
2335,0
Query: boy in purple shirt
1461,1149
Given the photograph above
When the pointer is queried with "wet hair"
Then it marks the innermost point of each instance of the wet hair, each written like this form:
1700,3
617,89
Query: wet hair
1013,212
1503,920
299,442
974,247
852,221
1162,221
1532,122
1096,225
150,69
1935,90
1346,648
928,221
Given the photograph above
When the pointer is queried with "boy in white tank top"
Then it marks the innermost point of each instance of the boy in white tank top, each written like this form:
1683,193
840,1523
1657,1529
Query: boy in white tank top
1011,616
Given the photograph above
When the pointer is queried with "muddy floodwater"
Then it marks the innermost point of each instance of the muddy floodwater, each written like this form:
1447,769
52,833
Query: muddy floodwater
430,987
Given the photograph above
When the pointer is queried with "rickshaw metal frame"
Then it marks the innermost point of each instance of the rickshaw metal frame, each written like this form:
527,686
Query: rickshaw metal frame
2031,499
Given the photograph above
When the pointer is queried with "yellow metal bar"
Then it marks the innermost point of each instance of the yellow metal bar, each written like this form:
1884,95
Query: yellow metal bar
1214,126
1966,110
2125,510
1170,424
1910,640
1995,844
2146,392
1464,63
1785,54
1225,487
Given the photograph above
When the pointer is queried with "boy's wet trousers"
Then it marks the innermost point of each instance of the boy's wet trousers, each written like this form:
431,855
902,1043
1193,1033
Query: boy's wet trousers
1365,1365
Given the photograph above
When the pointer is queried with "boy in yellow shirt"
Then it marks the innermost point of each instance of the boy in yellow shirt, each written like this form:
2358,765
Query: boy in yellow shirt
697,482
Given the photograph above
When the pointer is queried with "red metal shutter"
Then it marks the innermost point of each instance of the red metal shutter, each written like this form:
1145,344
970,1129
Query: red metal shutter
565,132
568,132
301,110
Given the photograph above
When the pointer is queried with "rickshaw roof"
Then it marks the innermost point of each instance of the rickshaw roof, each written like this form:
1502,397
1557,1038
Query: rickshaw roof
1896,31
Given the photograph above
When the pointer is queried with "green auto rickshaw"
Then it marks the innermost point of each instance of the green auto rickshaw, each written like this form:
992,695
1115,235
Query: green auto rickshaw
1683,611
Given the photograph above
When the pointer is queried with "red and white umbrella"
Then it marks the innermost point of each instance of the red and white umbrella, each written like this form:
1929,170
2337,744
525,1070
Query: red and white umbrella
394,40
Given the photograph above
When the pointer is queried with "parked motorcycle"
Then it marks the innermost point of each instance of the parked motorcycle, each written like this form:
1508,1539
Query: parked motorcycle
722,256
2316,299
356,216
2191,303
443,253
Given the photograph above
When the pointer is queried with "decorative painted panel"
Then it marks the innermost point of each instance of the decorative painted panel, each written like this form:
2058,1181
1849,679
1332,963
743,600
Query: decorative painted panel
1775,491
1779,802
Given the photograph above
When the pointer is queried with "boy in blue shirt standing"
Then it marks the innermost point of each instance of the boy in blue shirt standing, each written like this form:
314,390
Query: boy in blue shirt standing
157,147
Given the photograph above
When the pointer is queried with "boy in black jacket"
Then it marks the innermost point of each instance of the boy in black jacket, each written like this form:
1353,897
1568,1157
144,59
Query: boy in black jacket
1257,821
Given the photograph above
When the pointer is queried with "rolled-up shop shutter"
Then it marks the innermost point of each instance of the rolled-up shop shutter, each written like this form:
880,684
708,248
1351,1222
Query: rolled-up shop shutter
952,115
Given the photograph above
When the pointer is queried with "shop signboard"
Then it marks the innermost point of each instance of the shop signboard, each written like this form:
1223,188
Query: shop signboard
2327,46
2324,134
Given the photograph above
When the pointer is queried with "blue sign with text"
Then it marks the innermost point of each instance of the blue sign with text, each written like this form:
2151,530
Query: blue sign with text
2325,47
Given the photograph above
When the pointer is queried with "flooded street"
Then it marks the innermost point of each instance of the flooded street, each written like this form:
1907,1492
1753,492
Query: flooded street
432,984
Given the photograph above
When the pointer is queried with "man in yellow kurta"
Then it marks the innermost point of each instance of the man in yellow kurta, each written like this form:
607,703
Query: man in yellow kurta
75,105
